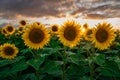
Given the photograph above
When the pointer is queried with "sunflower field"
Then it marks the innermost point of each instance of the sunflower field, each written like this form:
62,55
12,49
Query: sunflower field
70,51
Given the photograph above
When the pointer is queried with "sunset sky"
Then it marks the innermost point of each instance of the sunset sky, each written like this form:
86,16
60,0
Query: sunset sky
58,11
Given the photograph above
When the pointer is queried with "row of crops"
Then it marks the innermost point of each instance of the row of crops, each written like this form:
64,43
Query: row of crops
62,52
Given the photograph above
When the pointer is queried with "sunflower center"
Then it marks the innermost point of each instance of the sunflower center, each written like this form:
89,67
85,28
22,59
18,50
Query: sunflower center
36,36
38,23
10,28
9,50
23,23
54,28
70,33
101,35
20,28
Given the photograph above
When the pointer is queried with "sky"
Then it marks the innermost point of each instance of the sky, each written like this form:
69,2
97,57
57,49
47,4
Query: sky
58,11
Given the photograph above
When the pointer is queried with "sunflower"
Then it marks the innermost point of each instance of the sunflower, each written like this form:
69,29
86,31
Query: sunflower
3,31
87,34
54,29
36,36
20,29
70,33
9,29
38,23
8,51
23,22
103,35
84,28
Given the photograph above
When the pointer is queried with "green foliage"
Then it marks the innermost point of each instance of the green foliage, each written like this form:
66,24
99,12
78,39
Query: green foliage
56,62
99,59
35,63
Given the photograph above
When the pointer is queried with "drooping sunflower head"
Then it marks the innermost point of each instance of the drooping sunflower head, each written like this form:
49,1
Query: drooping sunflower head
9,29
3,31
20,29
37,23
86,26
103,35
87,34
54,29
8,51
70,33
36,36
23,22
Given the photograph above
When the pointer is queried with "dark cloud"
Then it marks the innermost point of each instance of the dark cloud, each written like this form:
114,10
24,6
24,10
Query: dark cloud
96,16
28,7
38,8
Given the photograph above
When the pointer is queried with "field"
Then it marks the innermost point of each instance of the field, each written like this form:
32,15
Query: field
67,52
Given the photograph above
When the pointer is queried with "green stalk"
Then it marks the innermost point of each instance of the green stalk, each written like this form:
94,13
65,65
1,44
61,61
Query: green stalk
64,64
91,64
34,53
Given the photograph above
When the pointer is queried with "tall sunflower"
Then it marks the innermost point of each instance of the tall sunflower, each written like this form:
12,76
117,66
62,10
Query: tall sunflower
54,29
70,33
9,29
36,36
103,35
8,51
23,22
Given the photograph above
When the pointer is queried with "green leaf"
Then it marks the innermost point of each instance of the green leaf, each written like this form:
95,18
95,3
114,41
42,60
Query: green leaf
35,63
111,51
73,59
85,78
4,72
19,66
75,71
7,62
53,68
30,76
99,59
110,69
27,50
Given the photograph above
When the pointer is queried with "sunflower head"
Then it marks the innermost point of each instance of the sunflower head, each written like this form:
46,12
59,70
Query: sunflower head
54,29
70,33
8,51
87,34
86,26
37,23
4,32
9,29
20,29
103,35
23,22
36,36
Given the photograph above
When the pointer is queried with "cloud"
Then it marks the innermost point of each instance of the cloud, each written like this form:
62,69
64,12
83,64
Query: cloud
35,8
59,8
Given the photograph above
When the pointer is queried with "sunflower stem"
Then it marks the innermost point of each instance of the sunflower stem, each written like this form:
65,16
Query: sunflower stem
36,57
91,64
64,64
34,53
